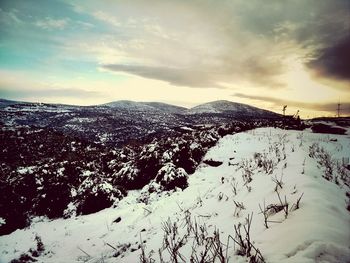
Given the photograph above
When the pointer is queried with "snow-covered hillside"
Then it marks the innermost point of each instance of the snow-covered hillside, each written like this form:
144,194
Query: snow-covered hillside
273,195
166,107
117,123
232,108
145,106
129,105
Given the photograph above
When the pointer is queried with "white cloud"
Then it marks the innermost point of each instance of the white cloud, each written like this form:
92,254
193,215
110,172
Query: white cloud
236,45
106,18
51,23
90,91
196,45
227,42
9,17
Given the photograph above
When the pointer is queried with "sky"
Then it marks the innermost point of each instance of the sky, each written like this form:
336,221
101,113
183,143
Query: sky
184,52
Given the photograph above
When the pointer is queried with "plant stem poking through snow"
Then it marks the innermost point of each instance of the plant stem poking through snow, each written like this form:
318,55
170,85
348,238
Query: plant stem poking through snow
297,204
246,247
238,208
278,182
143,256
264,212
284,205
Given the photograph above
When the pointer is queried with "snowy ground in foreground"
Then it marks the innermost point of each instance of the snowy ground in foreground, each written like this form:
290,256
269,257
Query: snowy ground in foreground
319,231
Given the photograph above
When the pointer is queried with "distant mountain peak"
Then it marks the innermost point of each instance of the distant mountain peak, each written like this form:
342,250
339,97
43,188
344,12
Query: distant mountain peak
128,105
166,107
145,106
226,107
232,108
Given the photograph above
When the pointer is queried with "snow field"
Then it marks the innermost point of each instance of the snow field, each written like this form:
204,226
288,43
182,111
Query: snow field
217,199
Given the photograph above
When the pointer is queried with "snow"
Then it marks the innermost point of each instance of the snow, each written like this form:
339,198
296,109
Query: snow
104,137
60,171
26,170
81,120
169,172
220,106
211,107
87,173
316,232
34,107
130,105
145,106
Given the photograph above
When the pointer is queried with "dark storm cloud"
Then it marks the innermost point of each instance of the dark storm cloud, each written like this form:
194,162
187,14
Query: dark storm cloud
327,36
233,44
175,76
256,38
330,107
334,61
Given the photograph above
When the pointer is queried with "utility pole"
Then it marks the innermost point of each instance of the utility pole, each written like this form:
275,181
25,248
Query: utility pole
284,110
338,109
296,114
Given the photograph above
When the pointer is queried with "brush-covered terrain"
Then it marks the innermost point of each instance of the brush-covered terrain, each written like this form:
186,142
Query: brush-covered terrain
259,195
151,182
64,160
121,122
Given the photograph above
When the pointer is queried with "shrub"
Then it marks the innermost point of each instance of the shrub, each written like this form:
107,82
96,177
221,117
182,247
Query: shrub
148,164
169,177
183,158
323,128
129,176
95,195
324,159
53,199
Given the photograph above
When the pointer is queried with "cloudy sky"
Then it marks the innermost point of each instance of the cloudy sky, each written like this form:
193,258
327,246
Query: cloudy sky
185,52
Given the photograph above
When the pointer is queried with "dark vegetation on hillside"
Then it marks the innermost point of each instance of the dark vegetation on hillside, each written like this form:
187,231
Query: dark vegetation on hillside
122,122
48,173
339,121
324,128
61,160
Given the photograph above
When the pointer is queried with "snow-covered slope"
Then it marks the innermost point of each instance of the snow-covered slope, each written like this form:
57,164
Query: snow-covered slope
119,122
145,106
129,105
5,103
166,107
229,107
265,167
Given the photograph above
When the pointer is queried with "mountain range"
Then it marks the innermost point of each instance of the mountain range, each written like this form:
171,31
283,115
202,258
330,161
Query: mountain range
119,122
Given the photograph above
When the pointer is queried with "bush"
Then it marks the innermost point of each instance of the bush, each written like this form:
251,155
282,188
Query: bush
148,164
323,128
169,177
16,202
129,176
183,159
53,200
95,195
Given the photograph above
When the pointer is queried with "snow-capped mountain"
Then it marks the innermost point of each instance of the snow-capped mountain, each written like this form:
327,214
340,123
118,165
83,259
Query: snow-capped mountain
231,108
129,105
166,107
145,106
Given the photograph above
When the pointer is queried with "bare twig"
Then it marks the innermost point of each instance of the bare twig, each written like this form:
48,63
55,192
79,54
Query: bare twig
265,214
83,252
